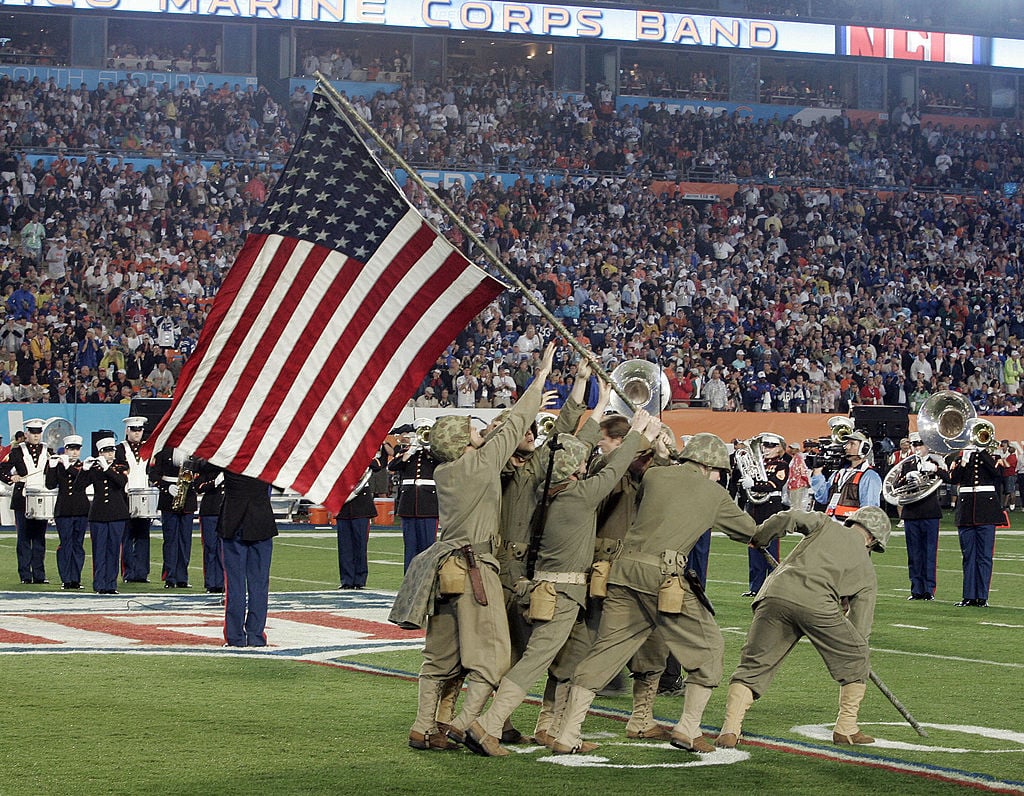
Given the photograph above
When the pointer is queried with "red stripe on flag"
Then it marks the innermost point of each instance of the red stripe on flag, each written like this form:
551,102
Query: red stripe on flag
385,418
222,304
209,391
376,363
414,249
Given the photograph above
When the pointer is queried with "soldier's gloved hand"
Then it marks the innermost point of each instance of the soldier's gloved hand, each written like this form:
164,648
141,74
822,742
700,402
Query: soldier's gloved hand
53,461
523,587
747,482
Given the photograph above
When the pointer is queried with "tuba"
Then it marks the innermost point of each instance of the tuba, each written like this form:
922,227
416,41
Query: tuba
903,485
948,422
750,463
644,383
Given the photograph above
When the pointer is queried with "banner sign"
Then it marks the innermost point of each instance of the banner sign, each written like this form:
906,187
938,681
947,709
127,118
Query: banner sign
910,45
72,77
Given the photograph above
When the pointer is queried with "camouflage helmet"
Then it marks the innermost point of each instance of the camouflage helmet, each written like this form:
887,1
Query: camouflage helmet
569,457
876,522
449,437
706,449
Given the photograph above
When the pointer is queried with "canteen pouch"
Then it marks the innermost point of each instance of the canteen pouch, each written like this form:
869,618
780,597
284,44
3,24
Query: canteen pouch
452,576
542,602
670,595
599,578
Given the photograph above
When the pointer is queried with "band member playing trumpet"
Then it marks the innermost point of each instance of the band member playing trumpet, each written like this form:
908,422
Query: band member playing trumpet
70,511
24,468
921,519
170,472
976,472
416,502
763,489
108,514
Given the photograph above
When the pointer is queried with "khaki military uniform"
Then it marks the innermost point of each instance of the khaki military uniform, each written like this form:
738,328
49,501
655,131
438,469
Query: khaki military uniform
802,597
677,505
462,635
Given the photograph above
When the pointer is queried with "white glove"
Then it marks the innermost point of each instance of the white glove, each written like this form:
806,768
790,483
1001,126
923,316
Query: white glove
965,457
927,466
747,482
53,461
172,490
219,479
103,463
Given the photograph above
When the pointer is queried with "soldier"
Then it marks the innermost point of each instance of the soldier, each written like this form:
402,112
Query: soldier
805,596
467,629
24,469
209,484
107,515
853,486
135,550
921,519
172,471
558,588
762,499
247,529
978,510
417,495
70,512
353,523
649,587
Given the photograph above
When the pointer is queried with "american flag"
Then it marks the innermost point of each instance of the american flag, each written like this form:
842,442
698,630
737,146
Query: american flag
339,302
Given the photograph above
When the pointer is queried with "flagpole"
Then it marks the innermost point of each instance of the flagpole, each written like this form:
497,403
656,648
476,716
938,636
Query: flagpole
343,105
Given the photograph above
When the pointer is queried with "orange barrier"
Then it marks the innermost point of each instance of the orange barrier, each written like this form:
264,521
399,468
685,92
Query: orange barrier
385,511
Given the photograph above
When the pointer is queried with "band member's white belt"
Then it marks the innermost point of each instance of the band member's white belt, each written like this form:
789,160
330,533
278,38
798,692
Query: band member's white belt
968,489
418,482
569,578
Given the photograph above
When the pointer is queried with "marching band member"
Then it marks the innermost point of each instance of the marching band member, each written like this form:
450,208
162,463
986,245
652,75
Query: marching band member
210,484
978,510
416,502
847,489
762,499
921,521
171,471
107,515
135,550
70,511
353,524
25,467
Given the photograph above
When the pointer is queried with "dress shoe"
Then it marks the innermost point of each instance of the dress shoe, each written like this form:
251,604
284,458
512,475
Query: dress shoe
26,580
511,735
914,597
928,596
849,740
659,732
215,590
107,591
749,594
980,603
726,740
76,586
136,580
184,585
963,603
480,742
698,744
66,586
434,740
346,587
580,749
41,580
169,584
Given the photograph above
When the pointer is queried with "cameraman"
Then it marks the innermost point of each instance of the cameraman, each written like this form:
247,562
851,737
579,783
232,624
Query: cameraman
856,485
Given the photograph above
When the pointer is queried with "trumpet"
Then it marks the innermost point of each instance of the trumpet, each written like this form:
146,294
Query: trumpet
545,425
840,427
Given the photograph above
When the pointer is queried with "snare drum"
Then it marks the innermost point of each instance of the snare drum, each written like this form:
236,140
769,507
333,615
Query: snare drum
142,502
39,503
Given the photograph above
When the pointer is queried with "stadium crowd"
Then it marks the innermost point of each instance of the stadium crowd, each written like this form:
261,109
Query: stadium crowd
787,297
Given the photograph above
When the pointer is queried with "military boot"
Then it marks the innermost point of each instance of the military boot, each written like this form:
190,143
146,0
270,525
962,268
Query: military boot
568,740
737,703
687,733
641,722
549,709
846,730
450,690
477,694
483,734
425,733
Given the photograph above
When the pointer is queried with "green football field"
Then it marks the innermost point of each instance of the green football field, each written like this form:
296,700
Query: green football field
86,723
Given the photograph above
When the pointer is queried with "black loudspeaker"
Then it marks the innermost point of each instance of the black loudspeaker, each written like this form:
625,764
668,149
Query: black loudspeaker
153,409
882,421
98,435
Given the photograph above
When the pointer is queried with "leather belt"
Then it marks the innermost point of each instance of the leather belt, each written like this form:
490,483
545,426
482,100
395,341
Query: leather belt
418,482
968,489
569,578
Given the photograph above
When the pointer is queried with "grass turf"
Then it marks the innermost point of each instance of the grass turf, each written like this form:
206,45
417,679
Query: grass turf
132,724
